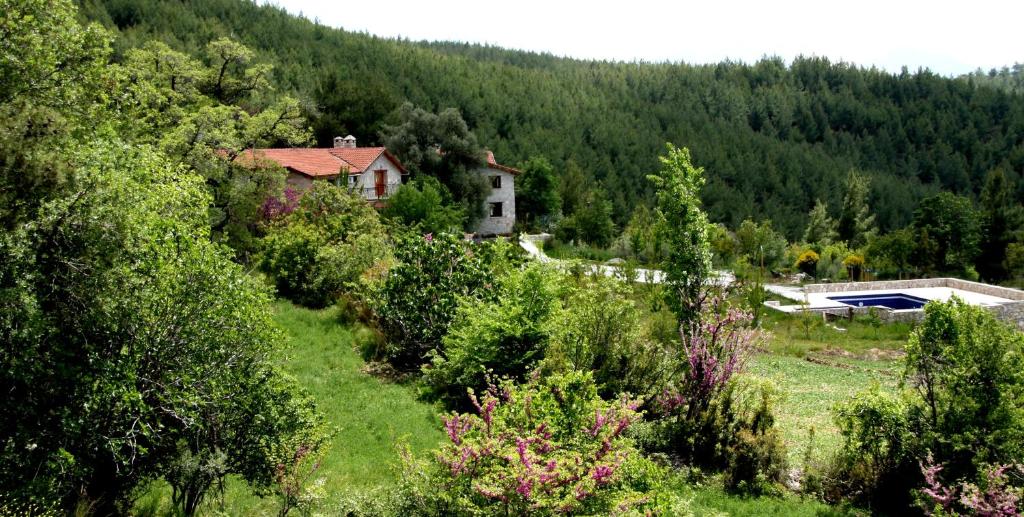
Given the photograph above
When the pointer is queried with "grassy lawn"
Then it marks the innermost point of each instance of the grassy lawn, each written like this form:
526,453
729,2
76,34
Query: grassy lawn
815,365
809,391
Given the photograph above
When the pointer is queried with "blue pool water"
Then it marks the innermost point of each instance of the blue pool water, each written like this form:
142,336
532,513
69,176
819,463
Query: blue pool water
895,301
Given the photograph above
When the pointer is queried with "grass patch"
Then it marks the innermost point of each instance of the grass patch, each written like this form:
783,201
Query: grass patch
810,390
710,500
564,251
800,334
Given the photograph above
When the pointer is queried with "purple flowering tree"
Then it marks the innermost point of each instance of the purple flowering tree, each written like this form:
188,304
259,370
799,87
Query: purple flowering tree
549,446
715,347
996,497
276,207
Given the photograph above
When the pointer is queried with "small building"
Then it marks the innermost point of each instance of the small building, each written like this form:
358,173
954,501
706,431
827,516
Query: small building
372,171
500,205
377,174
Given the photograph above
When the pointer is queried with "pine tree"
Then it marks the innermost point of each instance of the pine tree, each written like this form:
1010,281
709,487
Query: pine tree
821,228
856,222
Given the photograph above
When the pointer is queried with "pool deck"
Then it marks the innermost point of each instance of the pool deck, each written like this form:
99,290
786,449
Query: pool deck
819,301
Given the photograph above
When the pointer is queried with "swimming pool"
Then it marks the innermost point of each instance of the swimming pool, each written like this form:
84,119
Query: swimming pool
895,301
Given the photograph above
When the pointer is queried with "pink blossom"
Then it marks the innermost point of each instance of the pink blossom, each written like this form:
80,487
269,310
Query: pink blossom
602,473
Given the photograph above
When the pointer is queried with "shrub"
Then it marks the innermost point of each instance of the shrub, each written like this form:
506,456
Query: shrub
322,248
600,331
854,264
967,370
426,205
963,413
710,420
503,335
416,301
875,466
549,446
807,263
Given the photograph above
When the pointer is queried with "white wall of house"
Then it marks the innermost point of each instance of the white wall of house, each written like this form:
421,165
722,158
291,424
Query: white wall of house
506,195
365,183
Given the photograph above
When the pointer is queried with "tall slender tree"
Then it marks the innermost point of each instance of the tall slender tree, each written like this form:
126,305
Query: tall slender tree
688,265
856,223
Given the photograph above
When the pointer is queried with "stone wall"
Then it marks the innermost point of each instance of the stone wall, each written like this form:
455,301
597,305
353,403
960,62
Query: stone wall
1012,313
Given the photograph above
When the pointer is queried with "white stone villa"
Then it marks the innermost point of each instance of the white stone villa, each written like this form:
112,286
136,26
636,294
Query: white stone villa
377,174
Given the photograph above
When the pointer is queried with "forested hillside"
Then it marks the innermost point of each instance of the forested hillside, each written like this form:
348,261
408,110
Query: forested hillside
772,137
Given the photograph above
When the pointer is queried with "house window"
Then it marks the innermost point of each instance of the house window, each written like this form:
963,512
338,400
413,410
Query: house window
495,181
495,209
353,179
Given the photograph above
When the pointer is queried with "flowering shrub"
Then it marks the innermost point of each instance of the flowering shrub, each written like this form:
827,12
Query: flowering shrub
549,446
276,207
708,418
995,498
807,262
715,348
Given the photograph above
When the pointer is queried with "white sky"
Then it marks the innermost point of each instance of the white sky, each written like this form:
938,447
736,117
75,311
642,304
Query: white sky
947,37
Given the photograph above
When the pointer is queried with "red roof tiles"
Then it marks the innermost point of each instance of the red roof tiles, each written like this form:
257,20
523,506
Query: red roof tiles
492,163
323,162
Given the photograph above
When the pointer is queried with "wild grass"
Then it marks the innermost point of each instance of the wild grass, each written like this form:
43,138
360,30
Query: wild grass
809,392
800,334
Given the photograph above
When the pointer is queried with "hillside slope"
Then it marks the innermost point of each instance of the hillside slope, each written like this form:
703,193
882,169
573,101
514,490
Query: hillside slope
772,137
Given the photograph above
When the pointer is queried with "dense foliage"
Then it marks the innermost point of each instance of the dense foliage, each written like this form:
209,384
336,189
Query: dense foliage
774,137
132,348
416,301
960,421
502,336
324,246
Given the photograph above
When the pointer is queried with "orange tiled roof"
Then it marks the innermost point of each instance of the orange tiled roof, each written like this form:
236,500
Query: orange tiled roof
492,163
323,162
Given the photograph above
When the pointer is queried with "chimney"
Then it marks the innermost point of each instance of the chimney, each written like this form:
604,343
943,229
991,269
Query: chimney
339,142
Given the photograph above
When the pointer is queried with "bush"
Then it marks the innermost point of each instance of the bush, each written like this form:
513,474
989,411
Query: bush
503,335
735,435
875,466
416,301
854,264
967,369
426,205
549,446
807,263
322,248
964,413
600,331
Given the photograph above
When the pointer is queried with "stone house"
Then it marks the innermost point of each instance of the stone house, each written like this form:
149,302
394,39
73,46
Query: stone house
500,205
377,174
